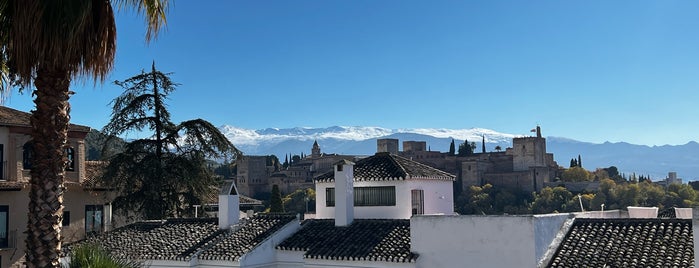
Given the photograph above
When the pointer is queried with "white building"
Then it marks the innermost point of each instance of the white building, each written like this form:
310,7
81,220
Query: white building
385,186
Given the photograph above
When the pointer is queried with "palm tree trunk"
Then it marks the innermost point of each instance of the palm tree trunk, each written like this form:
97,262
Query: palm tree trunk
49,132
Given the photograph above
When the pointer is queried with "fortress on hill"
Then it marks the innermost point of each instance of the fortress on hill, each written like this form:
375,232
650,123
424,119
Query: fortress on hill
525,166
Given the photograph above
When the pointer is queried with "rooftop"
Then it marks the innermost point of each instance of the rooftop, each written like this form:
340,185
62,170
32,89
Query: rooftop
182,239
12,117
385,166
627,243
363,240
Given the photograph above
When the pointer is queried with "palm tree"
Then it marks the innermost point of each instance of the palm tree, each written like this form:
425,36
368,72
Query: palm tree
47,43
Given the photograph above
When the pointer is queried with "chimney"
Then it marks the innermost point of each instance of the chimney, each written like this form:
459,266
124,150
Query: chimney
344,193
228,205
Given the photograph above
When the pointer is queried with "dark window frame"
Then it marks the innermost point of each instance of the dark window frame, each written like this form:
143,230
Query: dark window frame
90,219
27,155
65,221
5,241
372,196
70,159
417,201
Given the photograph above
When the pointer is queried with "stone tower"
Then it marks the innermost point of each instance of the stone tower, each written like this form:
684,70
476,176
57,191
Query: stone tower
387,145
315,151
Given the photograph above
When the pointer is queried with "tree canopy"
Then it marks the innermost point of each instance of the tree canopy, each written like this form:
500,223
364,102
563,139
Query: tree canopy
164,174
466,148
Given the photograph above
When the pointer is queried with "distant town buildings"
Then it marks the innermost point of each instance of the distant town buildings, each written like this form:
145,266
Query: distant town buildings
526,166
257,174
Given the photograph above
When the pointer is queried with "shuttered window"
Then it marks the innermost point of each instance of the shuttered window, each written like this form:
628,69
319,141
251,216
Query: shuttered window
366,196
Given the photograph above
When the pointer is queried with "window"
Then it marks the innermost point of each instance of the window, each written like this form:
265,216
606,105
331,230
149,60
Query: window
93,218
417,201
66,218
70,155
27,155
4,224
366,196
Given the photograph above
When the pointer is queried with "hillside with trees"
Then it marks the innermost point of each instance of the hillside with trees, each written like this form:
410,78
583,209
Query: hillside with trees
615,191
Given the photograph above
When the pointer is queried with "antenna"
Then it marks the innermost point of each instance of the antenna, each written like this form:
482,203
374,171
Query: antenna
581,206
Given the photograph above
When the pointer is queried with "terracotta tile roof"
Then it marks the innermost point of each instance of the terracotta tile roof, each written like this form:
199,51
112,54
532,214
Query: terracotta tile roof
363,240
385,166
231,246
182,239
93,174
627,243
12,117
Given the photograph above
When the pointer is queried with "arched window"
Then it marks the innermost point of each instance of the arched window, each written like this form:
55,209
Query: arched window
27,155
70,155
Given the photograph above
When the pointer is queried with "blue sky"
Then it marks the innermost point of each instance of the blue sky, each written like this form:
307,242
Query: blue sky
588,70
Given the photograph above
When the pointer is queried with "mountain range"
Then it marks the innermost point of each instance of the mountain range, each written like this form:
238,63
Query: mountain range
653,161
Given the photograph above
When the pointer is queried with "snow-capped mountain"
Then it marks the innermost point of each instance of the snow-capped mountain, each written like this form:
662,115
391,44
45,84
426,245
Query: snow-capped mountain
245,137
655,161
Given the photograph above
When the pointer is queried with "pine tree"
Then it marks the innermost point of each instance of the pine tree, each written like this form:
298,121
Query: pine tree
162,175
275,201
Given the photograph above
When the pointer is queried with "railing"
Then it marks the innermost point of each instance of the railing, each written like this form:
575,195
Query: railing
9,241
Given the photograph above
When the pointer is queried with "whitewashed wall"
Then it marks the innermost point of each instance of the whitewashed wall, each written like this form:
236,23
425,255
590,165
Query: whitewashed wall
482,241
265,253
438,194
317,263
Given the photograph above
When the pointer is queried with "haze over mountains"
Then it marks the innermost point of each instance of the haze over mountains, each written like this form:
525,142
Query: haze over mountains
655,161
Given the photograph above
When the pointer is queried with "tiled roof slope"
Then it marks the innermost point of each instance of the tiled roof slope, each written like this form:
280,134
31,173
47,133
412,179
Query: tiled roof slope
182,239
385,166
233,245
12,117
174,239
668,213
627,243
363,240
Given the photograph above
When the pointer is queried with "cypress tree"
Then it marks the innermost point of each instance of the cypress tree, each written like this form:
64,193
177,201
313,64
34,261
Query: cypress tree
276,200
452,148
579,161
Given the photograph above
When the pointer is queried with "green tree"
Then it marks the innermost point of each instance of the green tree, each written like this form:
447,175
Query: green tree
92,255
162,175
466,148
275,201
573,162
579,163
576,174
550,200
452,148
299,201
47,44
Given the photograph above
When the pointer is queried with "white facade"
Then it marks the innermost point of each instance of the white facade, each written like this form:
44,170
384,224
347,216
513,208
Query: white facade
438,199
483,241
